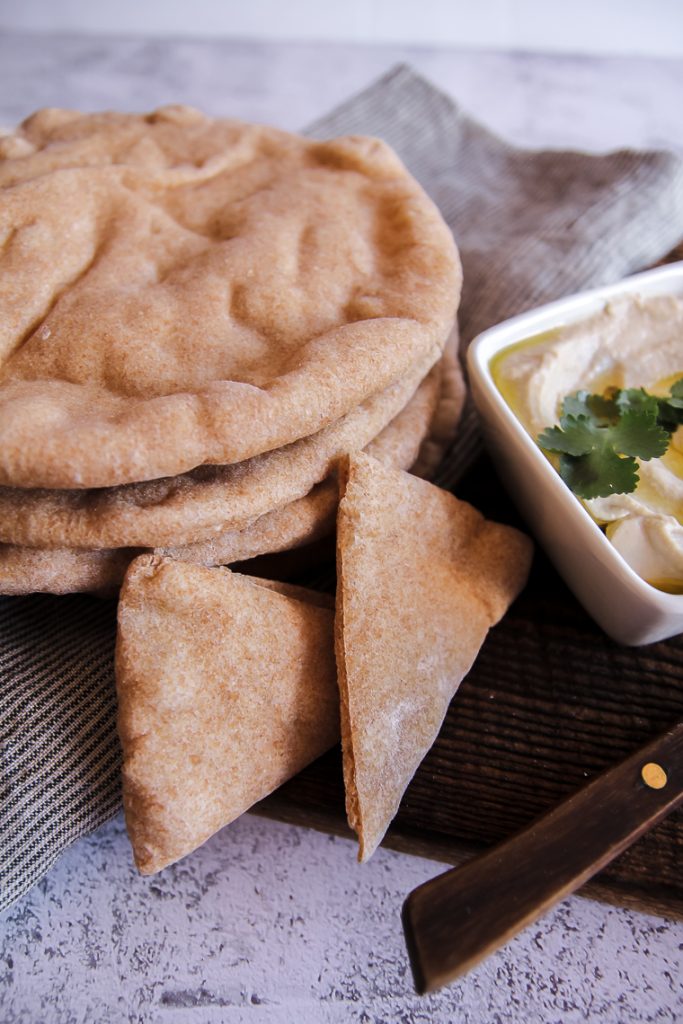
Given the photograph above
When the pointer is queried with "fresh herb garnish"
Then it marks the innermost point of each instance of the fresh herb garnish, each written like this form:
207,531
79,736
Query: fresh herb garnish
601,436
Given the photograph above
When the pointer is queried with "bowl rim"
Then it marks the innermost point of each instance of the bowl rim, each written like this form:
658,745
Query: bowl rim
664,280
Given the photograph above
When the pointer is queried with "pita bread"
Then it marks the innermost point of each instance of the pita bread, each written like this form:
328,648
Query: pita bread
178,291
421,577
444,427
205,502
25,570
226,689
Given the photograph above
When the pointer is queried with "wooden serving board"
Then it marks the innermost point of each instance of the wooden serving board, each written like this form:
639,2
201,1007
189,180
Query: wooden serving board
549,702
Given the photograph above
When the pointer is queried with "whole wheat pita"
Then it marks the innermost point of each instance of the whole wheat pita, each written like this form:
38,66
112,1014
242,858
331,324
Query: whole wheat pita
178,290
421,577
67,570
204,502
226,689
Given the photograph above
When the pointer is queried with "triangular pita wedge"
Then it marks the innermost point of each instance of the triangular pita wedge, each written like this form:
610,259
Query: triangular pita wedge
421,578
226,689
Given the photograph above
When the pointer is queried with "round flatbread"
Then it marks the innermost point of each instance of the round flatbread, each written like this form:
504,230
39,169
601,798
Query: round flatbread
26,570
177,290
202,503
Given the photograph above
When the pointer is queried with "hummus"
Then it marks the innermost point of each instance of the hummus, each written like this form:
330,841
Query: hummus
631,343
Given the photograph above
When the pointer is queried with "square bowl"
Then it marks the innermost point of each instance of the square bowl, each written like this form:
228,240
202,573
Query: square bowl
628,609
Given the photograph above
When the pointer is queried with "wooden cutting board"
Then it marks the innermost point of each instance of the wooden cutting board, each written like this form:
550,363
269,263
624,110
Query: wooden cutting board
549,702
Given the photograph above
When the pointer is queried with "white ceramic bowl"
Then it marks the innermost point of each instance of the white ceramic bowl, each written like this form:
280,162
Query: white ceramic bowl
624,605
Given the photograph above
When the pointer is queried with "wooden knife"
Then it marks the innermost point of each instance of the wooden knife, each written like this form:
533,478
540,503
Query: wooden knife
455,920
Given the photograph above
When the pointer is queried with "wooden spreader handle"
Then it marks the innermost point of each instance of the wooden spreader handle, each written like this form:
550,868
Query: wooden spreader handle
455,920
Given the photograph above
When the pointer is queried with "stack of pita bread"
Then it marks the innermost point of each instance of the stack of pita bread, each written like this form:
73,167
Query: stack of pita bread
208,328
200,317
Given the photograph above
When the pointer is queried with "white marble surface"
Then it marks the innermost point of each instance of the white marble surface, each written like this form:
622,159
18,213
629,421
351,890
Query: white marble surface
655,28
268,922
532,100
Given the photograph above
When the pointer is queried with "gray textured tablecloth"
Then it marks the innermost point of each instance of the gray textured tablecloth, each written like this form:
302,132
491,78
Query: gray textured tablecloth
531,226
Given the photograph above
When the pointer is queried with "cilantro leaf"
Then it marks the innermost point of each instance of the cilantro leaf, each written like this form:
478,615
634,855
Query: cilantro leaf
599,408
637,399
599,474
572,438
638,433
670,413
601,436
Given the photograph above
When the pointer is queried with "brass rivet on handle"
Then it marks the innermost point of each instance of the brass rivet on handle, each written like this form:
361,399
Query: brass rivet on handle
653,775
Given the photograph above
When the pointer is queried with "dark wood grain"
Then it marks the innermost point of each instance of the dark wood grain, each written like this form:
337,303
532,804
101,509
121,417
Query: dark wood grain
455,920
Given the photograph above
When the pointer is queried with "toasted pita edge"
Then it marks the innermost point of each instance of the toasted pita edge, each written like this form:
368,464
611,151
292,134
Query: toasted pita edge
348,764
